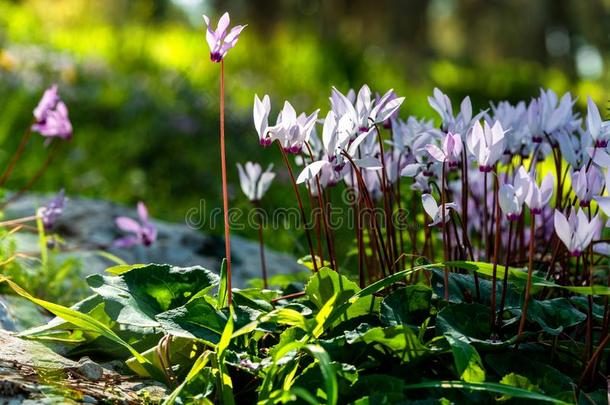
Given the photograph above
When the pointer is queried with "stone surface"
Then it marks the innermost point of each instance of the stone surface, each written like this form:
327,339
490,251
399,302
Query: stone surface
31,373
87,226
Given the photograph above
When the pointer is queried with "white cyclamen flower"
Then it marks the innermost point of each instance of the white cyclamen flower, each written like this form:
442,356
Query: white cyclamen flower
576,232
253,181
435,211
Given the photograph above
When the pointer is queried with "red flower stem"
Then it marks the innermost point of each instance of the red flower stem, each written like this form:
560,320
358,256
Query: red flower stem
386,205
530,272
444,231
506,269
24,140
36,177
300,203
367,198
484,242
496,250
261,246
322,205
225,193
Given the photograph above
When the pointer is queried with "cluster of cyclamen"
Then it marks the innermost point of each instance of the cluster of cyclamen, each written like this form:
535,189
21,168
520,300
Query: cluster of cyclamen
504,139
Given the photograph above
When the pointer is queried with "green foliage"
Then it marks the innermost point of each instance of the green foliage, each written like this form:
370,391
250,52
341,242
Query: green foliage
387,343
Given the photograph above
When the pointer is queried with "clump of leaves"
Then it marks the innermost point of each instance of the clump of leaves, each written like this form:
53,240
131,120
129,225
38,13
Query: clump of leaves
334,343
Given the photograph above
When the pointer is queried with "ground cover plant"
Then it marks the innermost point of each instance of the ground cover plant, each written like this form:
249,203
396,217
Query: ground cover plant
481,262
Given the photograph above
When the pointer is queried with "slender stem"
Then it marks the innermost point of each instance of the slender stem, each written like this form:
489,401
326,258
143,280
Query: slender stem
530,272
484,242
593,359
18,221
36,177
322,205
9,169
367,198
300,203
444,230
506,266
496,250
261,247
225,193
386,206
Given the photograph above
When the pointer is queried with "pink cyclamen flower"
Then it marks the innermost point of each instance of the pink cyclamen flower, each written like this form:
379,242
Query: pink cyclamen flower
538,197
51,115
451,150
219,40
142,233
435,211
512,196
576,232
52,210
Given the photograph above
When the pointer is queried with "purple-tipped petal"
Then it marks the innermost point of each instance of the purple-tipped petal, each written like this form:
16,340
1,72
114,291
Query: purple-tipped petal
126,242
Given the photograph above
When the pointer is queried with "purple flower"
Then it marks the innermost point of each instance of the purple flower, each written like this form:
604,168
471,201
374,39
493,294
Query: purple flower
220,41
53,210
451,151
142,233
51,116
538,197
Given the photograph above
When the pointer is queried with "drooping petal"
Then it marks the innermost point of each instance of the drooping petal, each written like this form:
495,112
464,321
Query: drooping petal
127,224
142,212
436,152
311,170
563,229
430,205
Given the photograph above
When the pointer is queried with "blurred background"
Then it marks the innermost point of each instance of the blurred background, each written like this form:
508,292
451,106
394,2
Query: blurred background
143,95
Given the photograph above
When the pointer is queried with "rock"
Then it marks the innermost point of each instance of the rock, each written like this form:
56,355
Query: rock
88,226
89,369
31,373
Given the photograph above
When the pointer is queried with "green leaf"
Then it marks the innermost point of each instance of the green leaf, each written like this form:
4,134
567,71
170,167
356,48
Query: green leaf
518,381
467,360
223,293
517,274
487,387
198,366
400,340
198,319
470,320
136,296
83,321
408,306
554,315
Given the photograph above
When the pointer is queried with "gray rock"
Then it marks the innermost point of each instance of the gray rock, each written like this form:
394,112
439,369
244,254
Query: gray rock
89,369
88,226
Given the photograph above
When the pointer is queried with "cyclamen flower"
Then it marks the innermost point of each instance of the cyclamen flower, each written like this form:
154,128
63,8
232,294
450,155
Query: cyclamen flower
291,130
577,231
253,181
538,197
435,211
366,112
260,113
586,184
486,144
335,140
219,41
451,151
52,210
51,116
512,196
143,232
599,131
